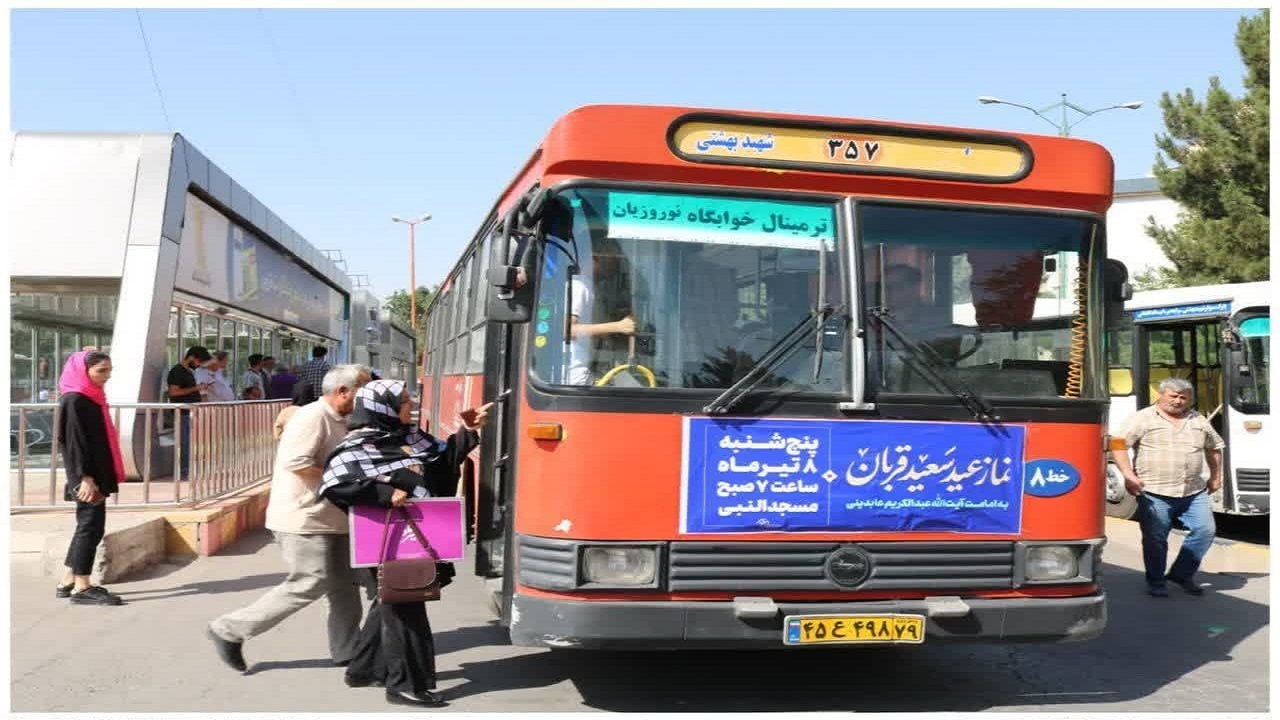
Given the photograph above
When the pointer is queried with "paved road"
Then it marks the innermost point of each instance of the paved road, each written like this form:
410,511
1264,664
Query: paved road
1175,655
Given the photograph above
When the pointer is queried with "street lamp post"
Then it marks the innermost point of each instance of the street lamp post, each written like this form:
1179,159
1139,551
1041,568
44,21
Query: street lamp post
1064,129
413,284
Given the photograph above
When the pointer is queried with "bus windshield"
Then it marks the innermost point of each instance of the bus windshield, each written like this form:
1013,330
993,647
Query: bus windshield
684,290
997,297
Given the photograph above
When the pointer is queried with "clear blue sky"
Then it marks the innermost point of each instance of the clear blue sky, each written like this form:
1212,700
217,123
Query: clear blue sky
337,119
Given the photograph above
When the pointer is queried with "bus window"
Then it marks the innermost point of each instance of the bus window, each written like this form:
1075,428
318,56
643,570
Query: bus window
983,292
1255,334
693,289
1119,350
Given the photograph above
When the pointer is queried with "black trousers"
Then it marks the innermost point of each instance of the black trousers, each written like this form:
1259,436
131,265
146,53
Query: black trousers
91,525
396,646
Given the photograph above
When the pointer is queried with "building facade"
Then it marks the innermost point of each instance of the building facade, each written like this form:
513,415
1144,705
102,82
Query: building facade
380,341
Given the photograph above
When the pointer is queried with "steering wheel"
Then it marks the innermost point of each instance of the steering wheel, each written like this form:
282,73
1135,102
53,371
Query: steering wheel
615,372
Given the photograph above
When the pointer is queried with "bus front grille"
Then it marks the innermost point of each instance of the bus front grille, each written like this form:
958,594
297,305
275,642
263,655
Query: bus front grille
762,566
552,564
1253,480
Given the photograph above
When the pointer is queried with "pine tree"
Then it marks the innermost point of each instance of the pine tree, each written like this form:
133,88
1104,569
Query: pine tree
1219,149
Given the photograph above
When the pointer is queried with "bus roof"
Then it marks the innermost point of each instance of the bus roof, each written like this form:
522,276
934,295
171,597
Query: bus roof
1201,301
1238,294
908,160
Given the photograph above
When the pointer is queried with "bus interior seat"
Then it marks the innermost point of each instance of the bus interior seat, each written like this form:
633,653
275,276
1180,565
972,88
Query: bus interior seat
1120,380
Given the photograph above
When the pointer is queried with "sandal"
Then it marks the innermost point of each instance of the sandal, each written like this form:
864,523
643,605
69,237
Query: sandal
95,595
63,591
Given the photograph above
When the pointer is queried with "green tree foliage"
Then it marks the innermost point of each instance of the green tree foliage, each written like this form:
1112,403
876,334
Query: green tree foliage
398,305
1214,161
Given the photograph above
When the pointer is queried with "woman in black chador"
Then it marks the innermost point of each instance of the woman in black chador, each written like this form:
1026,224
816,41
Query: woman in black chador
384,461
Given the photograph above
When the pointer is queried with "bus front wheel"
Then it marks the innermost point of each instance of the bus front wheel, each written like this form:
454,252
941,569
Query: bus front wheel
1120,504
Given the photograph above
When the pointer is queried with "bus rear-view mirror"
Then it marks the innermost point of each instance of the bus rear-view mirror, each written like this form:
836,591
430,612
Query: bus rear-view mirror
510,301
1116,291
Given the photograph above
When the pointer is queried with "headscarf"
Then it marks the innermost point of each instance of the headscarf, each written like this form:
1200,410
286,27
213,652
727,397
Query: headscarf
303,393
75,379
378,444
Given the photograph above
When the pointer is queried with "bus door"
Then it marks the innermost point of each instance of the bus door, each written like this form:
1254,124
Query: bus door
1247,412
495,490
1192,350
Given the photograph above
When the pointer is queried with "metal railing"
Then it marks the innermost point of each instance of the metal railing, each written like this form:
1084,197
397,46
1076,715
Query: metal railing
231,446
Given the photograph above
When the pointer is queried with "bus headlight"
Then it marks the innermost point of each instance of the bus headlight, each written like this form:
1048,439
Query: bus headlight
619,565
1051,562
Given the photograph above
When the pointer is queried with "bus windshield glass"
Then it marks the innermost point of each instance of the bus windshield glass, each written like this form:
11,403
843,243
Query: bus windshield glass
683,290
995,299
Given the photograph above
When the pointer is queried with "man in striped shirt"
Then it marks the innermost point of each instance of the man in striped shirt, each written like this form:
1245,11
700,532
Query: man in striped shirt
1172,442
313,372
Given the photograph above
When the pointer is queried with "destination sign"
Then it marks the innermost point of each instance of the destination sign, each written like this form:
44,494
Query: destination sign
843,150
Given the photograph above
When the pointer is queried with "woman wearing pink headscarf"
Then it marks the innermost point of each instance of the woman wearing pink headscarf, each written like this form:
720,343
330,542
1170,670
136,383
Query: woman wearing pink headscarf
92,463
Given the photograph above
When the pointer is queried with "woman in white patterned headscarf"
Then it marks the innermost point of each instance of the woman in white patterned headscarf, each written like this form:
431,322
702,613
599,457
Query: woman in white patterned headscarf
384,461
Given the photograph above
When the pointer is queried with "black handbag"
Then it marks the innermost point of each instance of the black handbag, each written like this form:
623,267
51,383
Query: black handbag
409,579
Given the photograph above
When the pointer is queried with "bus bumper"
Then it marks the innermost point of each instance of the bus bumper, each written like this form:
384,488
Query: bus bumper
639,625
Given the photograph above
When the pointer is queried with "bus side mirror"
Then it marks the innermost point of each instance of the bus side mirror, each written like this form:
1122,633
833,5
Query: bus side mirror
511,301
1116,290
1239,363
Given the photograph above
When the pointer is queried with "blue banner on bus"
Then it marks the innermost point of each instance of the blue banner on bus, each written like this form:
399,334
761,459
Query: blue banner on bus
744,475
1182,312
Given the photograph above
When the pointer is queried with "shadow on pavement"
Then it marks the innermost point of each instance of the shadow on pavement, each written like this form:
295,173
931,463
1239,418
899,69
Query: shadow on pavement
248,544
210,587
269,665
1149,644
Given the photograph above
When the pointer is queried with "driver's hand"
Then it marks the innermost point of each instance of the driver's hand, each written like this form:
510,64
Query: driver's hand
626,326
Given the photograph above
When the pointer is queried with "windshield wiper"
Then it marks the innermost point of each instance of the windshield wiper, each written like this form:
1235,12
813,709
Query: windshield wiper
925,357
784,348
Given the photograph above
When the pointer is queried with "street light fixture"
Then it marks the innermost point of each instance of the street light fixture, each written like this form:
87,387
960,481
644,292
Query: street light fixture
413,284
1064,127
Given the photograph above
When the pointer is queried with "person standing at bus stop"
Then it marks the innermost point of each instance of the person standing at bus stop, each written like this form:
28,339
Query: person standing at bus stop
93,467
1172,442
183,388
313,372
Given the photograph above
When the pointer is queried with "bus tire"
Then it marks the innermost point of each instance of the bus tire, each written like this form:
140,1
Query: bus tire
1120,504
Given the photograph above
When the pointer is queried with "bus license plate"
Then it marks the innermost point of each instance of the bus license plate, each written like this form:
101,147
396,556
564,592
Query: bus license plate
853,629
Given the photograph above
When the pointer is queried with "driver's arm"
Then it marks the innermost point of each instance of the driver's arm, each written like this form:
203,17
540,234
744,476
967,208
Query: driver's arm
625,326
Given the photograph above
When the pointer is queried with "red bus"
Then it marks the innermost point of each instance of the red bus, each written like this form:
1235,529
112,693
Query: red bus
776,380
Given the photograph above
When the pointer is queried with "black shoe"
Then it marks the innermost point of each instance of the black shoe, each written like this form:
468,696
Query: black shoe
94,595
63,591
425,698
1158,590
1189,585
354,681
229,652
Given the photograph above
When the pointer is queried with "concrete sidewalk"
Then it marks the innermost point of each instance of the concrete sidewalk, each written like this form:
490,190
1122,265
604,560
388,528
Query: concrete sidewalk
151,654
136,538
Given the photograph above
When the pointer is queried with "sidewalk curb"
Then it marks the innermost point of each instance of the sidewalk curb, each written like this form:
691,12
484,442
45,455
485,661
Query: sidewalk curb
206,530
138,540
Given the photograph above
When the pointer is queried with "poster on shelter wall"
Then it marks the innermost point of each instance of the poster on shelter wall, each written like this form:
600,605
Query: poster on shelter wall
748,475
441,521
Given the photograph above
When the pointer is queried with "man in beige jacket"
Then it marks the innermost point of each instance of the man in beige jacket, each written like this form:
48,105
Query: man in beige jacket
312,533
